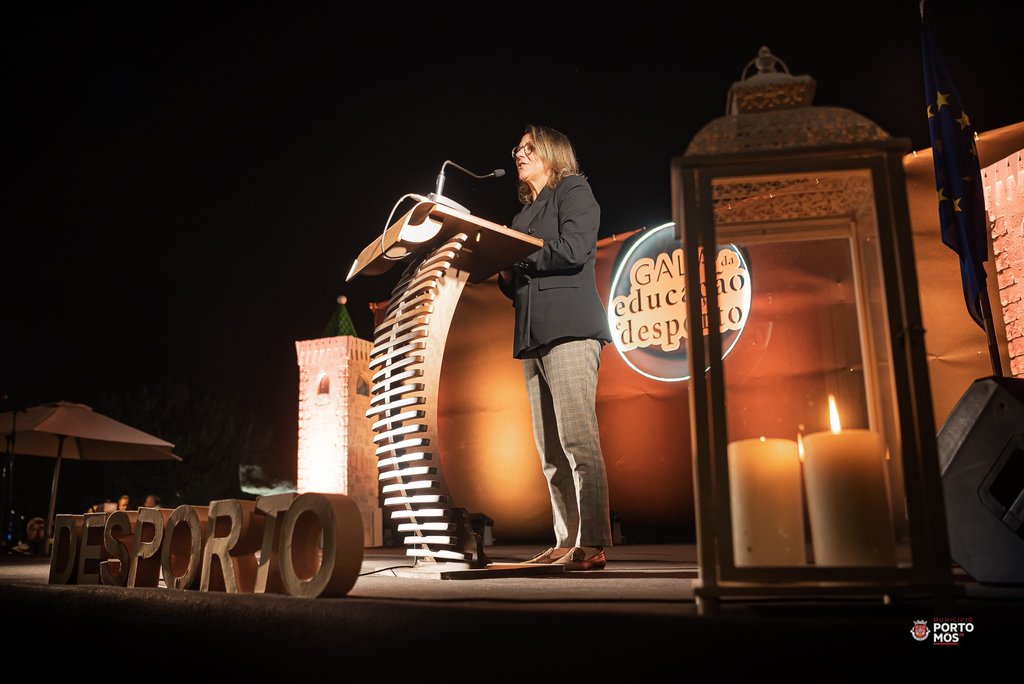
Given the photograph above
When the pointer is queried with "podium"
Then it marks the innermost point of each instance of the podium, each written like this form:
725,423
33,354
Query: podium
443,249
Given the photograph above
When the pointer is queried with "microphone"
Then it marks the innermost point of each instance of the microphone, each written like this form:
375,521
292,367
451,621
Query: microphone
438,194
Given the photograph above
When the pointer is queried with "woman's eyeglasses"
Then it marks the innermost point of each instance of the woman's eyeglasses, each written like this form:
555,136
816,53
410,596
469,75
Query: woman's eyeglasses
527,149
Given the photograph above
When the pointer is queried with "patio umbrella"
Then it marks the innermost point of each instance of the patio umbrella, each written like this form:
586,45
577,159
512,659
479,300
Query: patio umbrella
66,430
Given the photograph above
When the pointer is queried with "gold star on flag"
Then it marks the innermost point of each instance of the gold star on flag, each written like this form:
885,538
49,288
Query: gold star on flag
942,99
956,204
963,121
931,114
942,194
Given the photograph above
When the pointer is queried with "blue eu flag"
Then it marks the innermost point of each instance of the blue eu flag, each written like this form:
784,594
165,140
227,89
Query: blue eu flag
957,176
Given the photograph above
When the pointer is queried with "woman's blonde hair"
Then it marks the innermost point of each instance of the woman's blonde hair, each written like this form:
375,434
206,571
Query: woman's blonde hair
556,151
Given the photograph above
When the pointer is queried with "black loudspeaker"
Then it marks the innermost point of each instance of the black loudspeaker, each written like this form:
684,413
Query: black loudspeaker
981,458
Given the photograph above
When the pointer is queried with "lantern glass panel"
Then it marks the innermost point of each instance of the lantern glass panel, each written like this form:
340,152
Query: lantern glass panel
816,328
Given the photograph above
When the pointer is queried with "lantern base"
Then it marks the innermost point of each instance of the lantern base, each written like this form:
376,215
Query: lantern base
709,599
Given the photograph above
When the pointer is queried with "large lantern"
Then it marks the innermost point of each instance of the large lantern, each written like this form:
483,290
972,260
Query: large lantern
815,465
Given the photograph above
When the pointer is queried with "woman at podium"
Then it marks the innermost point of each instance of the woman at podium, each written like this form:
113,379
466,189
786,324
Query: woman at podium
560,328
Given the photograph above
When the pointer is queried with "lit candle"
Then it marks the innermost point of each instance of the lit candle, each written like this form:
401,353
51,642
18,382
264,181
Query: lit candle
847,498
765,502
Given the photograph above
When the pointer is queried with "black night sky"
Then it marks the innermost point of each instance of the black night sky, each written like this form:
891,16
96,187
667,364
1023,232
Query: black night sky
184,189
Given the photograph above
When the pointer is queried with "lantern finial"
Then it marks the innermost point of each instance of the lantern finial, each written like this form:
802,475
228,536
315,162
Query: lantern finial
771,88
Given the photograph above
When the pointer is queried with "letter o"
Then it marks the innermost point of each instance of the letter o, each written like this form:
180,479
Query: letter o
338,518
181,557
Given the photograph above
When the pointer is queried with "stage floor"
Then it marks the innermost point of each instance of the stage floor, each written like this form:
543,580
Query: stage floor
636,617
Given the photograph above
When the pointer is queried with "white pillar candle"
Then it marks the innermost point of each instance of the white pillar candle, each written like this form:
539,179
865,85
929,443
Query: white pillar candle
847,498
765,503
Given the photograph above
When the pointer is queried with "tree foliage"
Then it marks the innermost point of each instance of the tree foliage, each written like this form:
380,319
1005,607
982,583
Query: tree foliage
212,435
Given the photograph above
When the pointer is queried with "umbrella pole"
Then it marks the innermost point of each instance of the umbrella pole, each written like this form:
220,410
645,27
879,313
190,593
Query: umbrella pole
7,514
9,531
53,493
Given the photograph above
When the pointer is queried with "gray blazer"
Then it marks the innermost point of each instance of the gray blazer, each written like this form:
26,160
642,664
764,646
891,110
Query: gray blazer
554,290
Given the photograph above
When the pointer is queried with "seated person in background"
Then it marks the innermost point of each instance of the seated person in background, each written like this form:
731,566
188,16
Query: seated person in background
123,503
152,501
35,538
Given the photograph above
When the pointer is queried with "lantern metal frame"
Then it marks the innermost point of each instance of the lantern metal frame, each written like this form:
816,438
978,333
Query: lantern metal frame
929,571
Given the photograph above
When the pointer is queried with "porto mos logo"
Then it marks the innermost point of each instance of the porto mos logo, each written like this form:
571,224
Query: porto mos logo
647,312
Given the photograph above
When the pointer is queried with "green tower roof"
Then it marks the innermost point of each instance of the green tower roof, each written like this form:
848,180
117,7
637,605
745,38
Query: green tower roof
341,322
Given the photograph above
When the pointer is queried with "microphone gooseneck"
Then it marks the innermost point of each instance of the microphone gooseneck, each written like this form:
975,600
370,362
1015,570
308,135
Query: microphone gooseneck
438,194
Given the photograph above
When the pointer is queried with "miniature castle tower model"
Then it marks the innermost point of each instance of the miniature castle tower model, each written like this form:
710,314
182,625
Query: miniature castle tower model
336,453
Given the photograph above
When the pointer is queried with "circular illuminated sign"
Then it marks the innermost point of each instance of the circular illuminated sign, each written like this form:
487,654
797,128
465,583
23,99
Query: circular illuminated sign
647,303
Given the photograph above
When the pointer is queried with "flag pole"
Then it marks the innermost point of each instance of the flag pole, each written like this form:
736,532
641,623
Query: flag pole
990,333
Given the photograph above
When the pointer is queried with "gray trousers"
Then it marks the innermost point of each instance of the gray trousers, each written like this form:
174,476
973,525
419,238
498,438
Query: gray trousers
562,385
